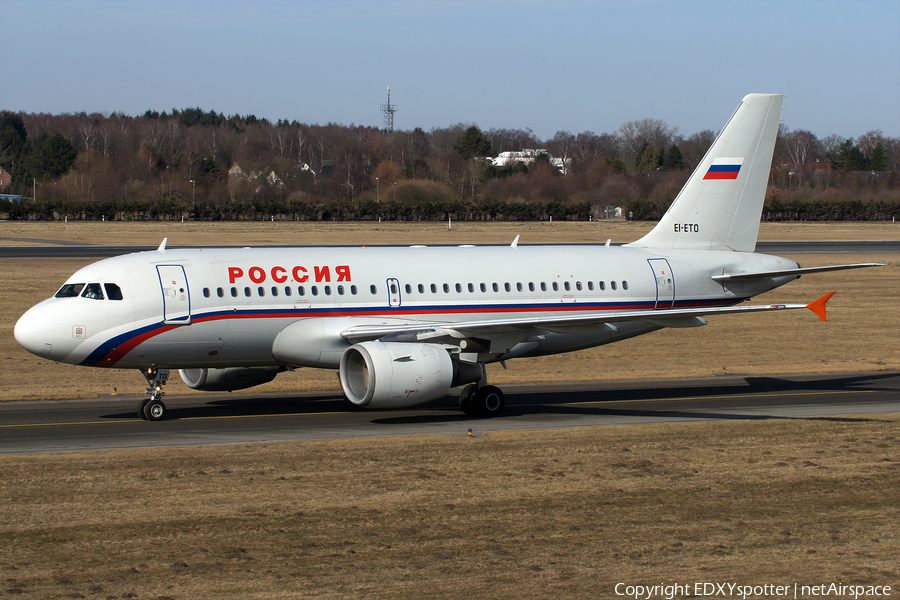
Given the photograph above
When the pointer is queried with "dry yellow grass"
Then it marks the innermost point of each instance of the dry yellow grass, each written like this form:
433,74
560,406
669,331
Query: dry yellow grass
861,334
549,514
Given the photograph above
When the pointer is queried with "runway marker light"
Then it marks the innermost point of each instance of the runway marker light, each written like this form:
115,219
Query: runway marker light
469,433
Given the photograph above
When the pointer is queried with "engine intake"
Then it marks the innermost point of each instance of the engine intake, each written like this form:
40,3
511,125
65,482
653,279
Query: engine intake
399,375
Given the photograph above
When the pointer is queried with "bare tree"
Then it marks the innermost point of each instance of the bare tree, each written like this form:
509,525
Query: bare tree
799,146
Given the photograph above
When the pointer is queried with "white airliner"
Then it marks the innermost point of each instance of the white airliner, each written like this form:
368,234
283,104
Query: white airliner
404,325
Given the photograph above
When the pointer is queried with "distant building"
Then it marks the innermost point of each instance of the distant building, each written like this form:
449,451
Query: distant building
527,156
5,178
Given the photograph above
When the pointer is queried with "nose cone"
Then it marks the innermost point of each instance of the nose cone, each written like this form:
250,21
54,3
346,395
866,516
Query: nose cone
34,331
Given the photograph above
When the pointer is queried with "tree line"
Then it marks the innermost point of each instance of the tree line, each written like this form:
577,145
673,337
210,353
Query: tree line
197,164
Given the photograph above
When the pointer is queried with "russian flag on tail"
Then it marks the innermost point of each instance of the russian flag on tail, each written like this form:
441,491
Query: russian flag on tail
724,168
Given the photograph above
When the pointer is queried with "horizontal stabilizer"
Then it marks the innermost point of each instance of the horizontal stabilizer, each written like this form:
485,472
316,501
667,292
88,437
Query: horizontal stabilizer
790,272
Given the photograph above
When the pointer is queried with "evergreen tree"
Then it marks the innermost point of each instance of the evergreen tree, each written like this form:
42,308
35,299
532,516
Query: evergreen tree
53,156
878,158
674,160
849,157
472,143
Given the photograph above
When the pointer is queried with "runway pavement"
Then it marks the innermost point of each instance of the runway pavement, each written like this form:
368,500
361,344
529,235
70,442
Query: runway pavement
111,422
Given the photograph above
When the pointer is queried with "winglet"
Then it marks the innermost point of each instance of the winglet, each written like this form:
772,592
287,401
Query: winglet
162,247
818,306
515,243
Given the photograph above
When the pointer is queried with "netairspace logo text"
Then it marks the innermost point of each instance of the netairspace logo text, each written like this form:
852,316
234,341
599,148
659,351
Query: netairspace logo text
738,590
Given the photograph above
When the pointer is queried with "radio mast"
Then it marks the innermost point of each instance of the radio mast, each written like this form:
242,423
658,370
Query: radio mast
389,110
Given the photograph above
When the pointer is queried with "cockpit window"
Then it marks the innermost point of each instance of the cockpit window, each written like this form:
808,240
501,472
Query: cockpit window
93,291
70,290
112,291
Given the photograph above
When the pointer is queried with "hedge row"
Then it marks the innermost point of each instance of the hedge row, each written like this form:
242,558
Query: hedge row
484,210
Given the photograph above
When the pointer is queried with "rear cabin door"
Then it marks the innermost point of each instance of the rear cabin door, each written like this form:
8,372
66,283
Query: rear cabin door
176,295
665,282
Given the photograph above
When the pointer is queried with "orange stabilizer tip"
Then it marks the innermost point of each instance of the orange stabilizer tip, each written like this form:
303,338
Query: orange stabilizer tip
818,306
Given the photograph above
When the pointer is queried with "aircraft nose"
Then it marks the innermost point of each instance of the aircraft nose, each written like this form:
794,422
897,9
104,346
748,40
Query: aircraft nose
34,331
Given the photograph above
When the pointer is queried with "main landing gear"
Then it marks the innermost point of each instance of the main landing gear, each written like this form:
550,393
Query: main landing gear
153,408
482,400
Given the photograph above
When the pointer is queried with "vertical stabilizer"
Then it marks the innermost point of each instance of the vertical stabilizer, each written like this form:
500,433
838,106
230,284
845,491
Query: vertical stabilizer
720,206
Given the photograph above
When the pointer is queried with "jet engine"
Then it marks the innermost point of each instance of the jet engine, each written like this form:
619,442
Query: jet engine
398,375
227,380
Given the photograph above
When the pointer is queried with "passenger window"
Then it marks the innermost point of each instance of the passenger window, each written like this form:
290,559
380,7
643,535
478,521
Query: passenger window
543,286
234,292
530,286
314,290
220,292
421,288
602,285
471,287
327,289
353,289
274,291
433,289
301,291
555,286
112,291
567,286
393,288
612,284
446,288
206,292
578,285
495,287
458,288
591,285
483,287
624,285
70,290
340,290
287,291
408,288
506,286
261,291
519,286
373,290
247,292
92,291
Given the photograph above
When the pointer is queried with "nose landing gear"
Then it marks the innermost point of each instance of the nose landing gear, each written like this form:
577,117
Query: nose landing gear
153,408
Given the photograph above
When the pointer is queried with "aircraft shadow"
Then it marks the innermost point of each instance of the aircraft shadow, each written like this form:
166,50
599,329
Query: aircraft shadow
703,400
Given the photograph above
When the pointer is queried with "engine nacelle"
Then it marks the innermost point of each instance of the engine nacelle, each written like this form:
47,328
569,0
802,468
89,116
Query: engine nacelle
398,375
227,380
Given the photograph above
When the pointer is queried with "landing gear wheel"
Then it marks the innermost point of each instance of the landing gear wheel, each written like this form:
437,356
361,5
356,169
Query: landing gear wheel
489,401
141,412
465,400
154,410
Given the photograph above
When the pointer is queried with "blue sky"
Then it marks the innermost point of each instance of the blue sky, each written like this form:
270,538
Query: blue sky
549,66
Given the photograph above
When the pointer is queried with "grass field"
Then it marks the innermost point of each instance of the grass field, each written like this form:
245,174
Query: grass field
528,514
525,514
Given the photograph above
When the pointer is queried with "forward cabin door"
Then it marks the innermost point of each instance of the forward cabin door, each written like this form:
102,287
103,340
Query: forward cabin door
665,282
175,293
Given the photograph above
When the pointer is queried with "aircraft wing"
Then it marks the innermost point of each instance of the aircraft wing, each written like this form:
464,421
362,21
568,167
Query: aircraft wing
790,272
684,317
